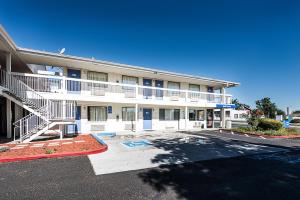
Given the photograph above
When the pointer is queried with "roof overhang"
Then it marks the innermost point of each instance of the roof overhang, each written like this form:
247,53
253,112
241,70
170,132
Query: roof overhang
55,59
7,45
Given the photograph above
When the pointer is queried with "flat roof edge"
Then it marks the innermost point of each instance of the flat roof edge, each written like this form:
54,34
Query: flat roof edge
7,38
63,56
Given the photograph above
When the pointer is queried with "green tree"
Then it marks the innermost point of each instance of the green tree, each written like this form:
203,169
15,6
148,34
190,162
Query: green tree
267,107
239,105
280,112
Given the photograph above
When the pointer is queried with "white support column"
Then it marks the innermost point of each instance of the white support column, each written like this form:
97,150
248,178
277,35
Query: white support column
136,91
223,95
8,62
63,85
223,125
186,117
205,118
8,118
136,117
61,126
64,109
8,102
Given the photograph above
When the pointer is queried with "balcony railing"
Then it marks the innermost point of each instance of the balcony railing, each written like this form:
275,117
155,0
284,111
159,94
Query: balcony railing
64,85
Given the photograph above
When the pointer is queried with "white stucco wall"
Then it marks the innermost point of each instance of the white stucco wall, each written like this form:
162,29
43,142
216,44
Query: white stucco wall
114,124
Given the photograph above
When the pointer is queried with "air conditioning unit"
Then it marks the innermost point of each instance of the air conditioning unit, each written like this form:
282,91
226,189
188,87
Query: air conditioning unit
97,127
129,126
169,127
197,125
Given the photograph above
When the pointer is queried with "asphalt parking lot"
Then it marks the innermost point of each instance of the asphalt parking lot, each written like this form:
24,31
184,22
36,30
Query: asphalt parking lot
169,148
260,175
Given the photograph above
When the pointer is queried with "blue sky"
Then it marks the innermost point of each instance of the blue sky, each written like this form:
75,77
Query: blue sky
256,43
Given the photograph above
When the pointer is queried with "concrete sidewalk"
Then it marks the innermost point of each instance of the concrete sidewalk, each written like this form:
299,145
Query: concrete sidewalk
170,148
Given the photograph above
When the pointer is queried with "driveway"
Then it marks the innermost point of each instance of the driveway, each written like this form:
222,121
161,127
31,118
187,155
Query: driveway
170,148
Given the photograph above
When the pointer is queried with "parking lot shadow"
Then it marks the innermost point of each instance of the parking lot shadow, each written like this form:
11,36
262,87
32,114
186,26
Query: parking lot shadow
216,169
190,148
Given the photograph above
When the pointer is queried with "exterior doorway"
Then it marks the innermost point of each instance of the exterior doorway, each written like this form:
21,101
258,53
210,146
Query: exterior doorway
147,116
209,118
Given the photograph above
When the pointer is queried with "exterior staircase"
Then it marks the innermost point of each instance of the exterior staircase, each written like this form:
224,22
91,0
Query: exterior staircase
44,113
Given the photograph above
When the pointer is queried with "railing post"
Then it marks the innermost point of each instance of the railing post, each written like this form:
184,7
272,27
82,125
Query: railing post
48,109
21,130
136,91
185,117
136,118
26,127
64,109
186,96
63,85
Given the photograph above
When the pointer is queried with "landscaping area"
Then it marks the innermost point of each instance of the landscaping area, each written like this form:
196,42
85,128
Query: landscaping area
268,120
267,127
78,145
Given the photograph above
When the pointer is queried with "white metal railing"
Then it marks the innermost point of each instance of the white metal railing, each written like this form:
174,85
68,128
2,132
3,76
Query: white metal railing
54,110
21,90
45,109
59,84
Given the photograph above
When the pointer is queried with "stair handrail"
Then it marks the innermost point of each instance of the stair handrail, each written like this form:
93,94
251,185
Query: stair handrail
45,108
20,89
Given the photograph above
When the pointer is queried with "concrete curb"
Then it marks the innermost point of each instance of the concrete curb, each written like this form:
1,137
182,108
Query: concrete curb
266,136
98,139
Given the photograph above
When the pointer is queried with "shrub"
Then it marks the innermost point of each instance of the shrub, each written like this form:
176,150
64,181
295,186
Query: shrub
295,121
242,129
253,121
50,151
269,124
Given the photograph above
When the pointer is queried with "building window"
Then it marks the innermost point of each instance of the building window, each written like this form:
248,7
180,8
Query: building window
227,113
217,114
196,115
192,115
97,76
128,114
195,88
210,89
236,116
243,116
174,86
97,113
130,80
200,115
169,114
97,88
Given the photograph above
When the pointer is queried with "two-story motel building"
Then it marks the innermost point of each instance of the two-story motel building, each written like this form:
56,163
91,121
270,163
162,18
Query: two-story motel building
93,96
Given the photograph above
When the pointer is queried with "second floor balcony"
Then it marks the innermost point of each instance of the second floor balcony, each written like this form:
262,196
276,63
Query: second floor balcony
72,89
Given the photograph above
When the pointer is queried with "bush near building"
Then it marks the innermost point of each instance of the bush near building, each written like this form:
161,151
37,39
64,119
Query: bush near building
268,124
295,121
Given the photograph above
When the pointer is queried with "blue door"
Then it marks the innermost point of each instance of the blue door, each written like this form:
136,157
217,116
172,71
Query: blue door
147,115
77,119
75,128
159,93
147,91
74,86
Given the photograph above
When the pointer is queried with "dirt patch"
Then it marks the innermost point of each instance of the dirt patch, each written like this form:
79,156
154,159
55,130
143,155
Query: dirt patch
81,143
